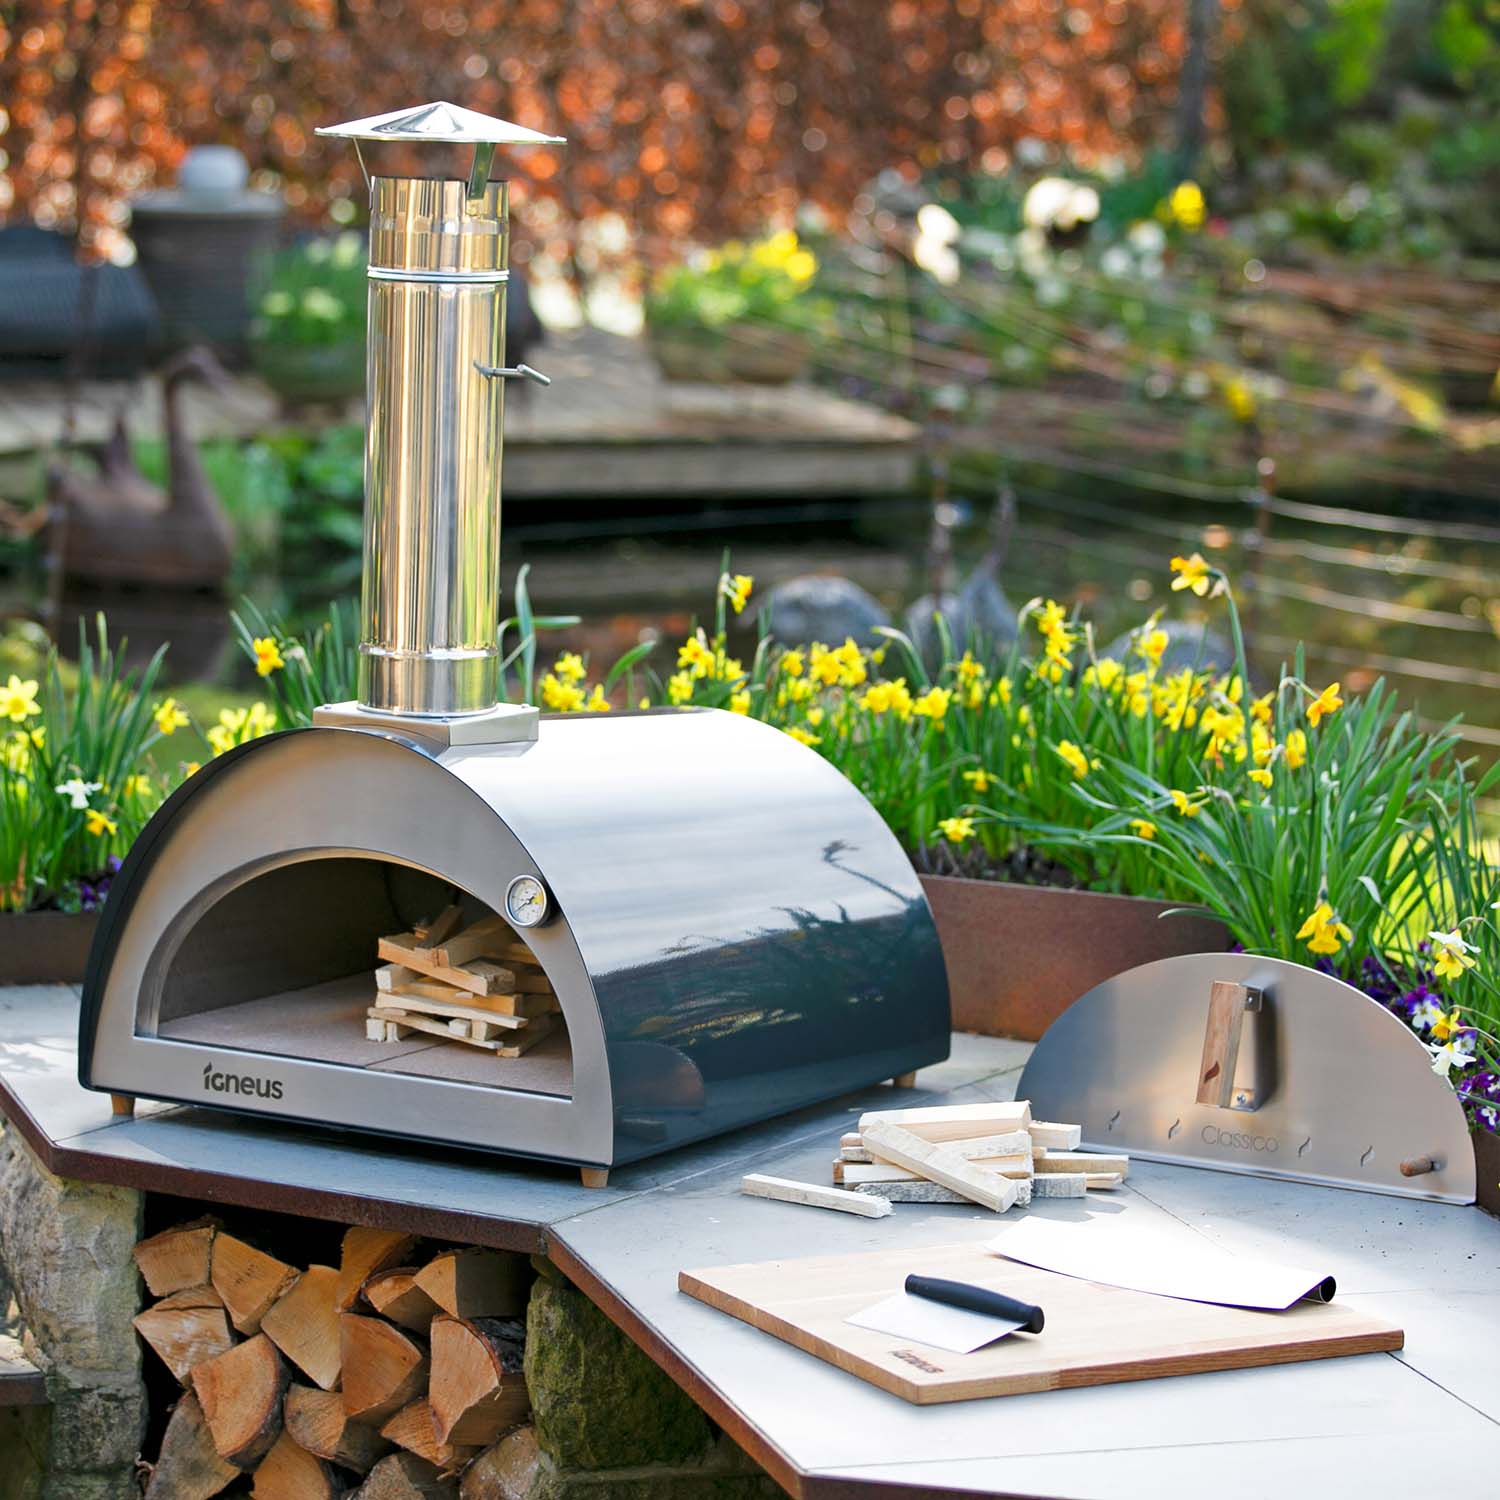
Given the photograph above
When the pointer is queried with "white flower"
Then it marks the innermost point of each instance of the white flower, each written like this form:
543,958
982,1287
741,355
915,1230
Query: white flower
1147,236
1116,262
937,233
1056,203
1447,1057
1032,252
1454,939
77,790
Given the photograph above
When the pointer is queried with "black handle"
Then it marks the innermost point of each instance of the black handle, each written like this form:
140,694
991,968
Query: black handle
977,1299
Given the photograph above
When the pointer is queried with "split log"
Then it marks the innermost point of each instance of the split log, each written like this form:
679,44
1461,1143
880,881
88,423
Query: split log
240,1391
186,1328
490,937
954,1122
177,1259
478,1389
290,1472
442,926
248,1280
319,1423
384,1368
477,1283
395,1295
503,1471
415,1429
304,1325
1083,1161
365,1252
813,1194
189,1466
892,1143
404,1476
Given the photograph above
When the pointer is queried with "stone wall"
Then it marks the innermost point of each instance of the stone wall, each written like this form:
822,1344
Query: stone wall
66,1251
607,1424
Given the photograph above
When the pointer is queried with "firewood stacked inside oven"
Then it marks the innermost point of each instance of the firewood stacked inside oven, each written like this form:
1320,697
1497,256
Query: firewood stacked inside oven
381,1378
478,985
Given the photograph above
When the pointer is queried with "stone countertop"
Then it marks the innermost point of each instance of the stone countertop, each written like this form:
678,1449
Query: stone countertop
1419,1422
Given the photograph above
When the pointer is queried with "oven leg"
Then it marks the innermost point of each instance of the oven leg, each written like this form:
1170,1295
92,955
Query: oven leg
594,1177
904,1081
122,1105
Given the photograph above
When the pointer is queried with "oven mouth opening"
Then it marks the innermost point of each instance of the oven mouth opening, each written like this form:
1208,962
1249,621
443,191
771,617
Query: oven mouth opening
286,964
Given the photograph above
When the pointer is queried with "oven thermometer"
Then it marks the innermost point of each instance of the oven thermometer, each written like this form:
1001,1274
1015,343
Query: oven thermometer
526,901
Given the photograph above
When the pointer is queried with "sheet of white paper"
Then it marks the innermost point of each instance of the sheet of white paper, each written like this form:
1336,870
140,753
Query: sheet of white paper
1169,1261
955,1329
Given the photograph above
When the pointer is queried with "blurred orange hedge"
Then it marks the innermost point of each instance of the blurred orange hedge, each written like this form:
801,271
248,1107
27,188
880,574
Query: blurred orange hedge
690,117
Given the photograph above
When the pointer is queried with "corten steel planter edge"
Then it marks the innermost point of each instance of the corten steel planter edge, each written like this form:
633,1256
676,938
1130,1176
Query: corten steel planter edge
1487,1170
1019,955
45,947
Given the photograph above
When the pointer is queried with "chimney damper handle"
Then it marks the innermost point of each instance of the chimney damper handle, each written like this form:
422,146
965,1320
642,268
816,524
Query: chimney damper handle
513,372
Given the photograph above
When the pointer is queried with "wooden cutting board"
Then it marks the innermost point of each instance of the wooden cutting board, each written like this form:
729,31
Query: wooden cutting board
1095,1335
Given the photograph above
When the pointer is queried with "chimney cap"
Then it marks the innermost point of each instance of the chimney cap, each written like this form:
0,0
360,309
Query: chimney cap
441,123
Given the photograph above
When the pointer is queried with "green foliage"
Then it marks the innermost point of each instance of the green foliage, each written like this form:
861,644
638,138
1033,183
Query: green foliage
77,785
313,294
766,281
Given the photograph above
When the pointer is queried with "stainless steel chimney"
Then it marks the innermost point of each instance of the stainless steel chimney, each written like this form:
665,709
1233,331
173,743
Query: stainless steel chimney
429,654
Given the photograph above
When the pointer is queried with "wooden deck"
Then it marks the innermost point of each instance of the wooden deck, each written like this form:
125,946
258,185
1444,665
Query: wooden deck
608,425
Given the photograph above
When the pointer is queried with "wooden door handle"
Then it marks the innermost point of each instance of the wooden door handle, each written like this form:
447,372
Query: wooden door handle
1228,1004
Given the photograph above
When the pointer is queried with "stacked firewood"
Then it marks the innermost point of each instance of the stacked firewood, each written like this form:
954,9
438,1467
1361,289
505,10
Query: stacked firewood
994,1155
377,1379
479,986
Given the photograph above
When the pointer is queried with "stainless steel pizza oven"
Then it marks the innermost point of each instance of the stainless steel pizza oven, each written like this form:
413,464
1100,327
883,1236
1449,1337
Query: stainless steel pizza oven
435,915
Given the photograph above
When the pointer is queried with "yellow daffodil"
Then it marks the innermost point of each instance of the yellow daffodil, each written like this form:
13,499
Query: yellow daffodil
1240,399
851,663
956,830
597,703
739,703
191,768
1296,749
968,669
1261,708
1192,573
792,663
823,664
801,266
933,704
1150,645
1187,205
1452,956
1260,776
135,786
1003,691
1184,804
97,824
694,655
799,689
1051,618
1324,931
169,716
1447,1025
18,699
569,667
803,736
1143,828
680,687
561,697
1073,757
1107,673
980,779
815,716
736,589
267,655
1327,702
